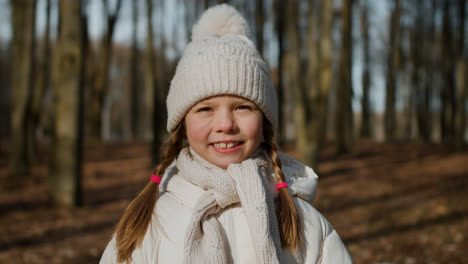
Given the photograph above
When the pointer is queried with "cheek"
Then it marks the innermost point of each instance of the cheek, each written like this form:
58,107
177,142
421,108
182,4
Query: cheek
195,130
254,128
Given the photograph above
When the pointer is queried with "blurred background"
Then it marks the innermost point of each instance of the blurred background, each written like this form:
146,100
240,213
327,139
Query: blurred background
372,95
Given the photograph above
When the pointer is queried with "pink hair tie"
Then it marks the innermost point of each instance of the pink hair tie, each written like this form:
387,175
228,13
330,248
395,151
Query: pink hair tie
155,178
280,185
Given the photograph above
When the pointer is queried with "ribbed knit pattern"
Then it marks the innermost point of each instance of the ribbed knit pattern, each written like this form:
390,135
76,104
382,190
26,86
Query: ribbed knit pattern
220,65
244,183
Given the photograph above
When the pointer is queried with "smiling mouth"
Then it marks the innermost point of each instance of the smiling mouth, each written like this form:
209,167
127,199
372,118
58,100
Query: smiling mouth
228,145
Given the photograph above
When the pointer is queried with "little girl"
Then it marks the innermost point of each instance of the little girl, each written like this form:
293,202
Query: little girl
222,193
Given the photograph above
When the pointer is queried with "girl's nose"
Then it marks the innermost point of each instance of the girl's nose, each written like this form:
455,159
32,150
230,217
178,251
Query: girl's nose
225,122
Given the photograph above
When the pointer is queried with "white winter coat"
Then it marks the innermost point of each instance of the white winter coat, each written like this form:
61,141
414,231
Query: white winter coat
164,242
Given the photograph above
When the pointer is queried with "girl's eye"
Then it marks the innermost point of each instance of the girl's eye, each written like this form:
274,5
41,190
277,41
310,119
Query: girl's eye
244,107
204,109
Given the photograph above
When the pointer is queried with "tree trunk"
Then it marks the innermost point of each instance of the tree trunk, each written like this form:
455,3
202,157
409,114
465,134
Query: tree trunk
429,71
134,87
421,67
344,111
448,89
365,104
326,56
81,101
409,112
279,27
294,78
40,87
101,74
154,105
312,95
460,113
150,82
64,174
163,72
417,88
309,102
392,74
23,18
260,18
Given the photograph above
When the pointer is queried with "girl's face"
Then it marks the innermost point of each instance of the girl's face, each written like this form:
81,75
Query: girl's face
224,129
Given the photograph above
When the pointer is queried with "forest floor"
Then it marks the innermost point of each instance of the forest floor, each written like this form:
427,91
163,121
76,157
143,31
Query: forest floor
391,203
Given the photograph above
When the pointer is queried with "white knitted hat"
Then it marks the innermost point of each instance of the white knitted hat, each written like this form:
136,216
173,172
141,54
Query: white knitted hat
220,60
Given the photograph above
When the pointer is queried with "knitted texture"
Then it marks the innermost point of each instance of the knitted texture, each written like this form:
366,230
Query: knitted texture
220,60
222,19
244,183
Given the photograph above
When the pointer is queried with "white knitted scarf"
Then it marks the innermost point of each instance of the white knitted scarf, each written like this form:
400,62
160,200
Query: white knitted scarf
245,182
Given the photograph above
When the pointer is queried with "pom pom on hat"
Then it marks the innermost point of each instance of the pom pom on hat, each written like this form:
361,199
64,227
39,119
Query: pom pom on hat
221,19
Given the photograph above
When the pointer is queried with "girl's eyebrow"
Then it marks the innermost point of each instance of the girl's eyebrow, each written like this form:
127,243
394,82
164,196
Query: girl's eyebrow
241,101
246,102
204,103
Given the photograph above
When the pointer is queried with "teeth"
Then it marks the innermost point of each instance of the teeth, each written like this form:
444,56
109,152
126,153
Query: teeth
224,145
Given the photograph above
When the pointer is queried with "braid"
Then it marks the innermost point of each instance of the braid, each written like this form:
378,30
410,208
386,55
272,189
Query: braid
286,211
132,227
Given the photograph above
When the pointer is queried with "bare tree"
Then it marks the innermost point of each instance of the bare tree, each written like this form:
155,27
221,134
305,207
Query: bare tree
310,94
365,103
428,70
417,90
5,89
431,69
294,78
344,111
313,46
190,11
101,73
260,19
409,62
462,82
316,88
41,85
65,172
84,48
134,87
150,70
279,27
447,92
154,95
23,18
392,69
325,59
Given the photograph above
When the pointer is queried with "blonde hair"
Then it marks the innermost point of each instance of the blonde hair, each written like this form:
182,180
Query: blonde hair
289,221
132,227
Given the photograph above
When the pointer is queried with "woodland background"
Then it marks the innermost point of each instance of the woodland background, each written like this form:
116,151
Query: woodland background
373,96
